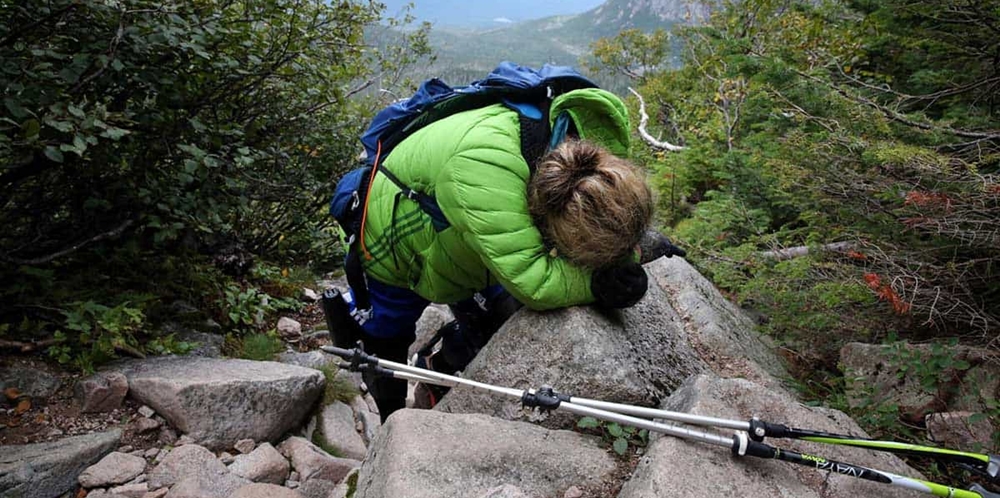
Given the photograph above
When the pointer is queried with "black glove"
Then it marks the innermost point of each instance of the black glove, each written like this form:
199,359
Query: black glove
619,286
654,244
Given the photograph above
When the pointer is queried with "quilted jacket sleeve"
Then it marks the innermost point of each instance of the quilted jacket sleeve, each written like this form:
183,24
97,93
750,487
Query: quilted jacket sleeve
483,192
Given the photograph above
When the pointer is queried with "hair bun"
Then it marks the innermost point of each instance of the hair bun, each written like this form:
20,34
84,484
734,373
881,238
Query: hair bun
592,205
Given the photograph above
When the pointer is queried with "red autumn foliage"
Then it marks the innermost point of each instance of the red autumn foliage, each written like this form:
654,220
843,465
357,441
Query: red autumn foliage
885,293
856,255
927,199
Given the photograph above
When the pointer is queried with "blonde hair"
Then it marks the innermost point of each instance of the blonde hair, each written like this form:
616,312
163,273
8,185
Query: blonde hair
591,205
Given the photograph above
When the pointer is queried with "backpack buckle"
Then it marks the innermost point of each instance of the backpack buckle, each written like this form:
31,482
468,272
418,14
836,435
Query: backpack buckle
411,194
356,200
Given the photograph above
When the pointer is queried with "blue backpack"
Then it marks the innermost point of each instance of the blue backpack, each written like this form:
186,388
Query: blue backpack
525,90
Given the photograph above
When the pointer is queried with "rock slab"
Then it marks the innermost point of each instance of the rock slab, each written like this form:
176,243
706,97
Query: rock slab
675,467
635,356
45,470
218,402
116,468
473,454
722,333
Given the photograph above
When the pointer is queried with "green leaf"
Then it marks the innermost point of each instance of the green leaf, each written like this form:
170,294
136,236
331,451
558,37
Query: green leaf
15,108
76,111
587,423
615,430
114,133
54,154
31,128
620,446
117,65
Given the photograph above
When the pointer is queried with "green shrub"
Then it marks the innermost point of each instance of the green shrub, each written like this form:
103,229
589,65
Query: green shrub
260,347
337,388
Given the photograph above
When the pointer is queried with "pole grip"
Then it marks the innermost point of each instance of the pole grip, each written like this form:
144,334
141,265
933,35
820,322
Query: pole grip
345,354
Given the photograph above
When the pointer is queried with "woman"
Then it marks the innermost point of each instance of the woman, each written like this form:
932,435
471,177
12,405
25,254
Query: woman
562,235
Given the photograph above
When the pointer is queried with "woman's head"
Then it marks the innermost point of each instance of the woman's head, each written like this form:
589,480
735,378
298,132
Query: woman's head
590,204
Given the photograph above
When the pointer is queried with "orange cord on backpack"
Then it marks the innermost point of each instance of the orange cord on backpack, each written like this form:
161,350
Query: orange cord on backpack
368,196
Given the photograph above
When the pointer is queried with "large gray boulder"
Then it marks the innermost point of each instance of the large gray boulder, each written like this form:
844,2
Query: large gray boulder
218,402
428,454
637,356
722,333
674,467
883,375
50,469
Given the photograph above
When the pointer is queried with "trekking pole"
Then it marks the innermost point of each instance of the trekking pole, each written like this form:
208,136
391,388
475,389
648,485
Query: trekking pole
986,465
740,443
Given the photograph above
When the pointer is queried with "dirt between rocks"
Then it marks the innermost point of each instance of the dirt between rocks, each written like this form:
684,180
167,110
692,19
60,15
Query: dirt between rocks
58,416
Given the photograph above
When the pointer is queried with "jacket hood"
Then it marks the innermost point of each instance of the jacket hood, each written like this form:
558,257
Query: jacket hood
600,117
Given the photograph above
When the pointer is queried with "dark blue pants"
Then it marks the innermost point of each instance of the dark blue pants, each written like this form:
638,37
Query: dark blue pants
391,329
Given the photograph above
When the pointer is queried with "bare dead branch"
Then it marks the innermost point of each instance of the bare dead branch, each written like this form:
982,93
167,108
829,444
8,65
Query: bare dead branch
27,347
643,120
797,252
75,247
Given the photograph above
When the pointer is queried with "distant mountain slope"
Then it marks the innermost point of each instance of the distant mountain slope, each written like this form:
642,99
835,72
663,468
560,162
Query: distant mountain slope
464,54
479,13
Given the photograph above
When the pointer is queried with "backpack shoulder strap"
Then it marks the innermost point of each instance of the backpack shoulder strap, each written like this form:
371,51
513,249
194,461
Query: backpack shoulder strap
534,122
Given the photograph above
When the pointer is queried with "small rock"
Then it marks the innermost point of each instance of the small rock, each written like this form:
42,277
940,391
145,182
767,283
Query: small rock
573,492
244,446
142,453
293,476
226,457
291,484
150,453
102,392
116,468
309,295
143,425
130,490
146,411
160,455
185,439
126,449
139,478
207,485
263,464
338,427
185,461
316,488
313,463
289,329
99,493
159,493
264,491
167,437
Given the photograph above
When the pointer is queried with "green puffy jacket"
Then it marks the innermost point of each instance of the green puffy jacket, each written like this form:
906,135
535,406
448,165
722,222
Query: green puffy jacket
471,163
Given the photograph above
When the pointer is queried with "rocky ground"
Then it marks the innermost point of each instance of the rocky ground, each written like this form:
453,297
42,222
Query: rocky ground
208,426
